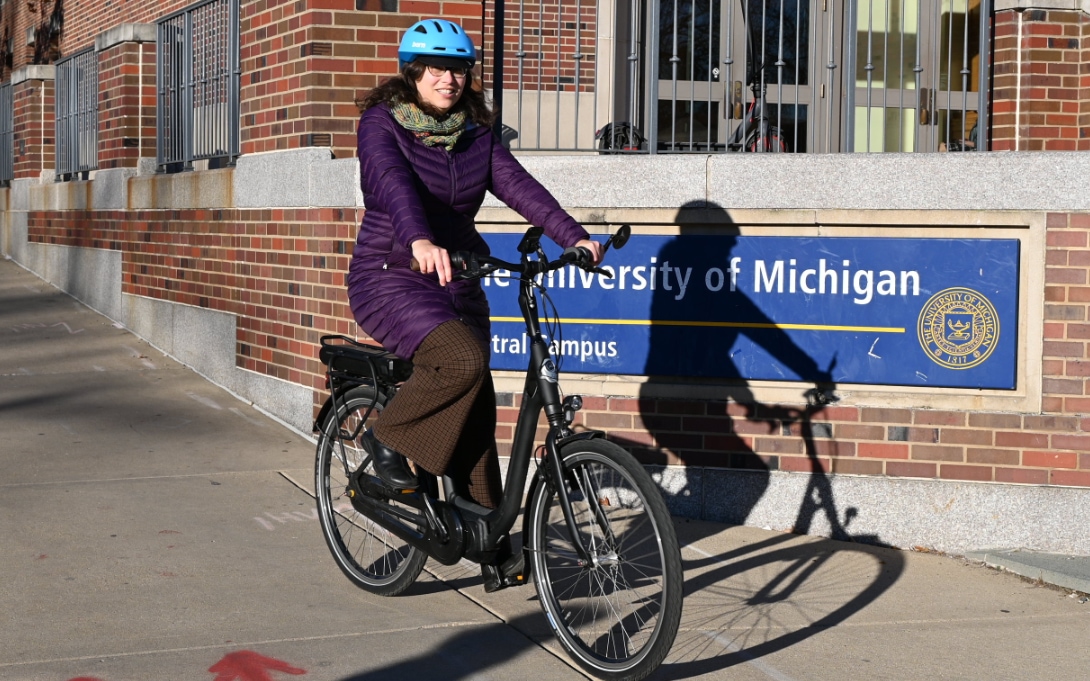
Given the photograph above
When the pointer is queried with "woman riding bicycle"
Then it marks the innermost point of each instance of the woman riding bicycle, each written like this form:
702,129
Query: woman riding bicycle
427,156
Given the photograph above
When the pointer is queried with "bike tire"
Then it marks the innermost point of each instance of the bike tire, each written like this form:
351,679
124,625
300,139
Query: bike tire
772,143
618,616
371,557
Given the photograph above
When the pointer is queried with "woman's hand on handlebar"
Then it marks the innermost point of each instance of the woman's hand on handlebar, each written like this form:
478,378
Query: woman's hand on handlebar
431,258
594,247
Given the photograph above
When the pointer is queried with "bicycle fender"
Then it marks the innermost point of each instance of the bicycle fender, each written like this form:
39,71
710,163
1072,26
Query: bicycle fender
582,435
322,413
527,563
328,405
539,478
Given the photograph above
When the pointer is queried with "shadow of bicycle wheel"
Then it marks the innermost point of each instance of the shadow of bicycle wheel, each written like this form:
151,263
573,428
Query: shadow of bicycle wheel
758,594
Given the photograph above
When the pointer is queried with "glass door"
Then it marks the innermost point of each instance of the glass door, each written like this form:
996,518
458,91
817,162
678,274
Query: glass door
721,61
774,47
917,75
691,89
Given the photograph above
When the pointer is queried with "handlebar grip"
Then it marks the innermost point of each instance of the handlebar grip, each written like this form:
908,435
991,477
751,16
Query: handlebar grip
577,255
458,261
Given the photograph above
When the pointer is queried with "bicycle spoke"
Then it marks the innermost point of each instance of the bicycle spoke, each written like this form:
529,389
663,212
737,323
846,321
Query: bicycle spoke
367,553
618,613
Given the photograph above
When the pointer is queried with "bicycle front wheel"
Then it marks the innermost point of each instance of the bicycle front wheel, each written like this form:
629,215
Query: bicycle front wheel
618,613
371,557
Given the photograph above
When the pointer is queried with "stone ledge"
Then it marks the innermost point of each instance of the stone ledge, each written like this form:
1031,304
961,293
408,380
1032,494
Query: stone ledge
1069,572
125,33
1016,181
1073,5
290,178
198,189
33,72
110,189
939,515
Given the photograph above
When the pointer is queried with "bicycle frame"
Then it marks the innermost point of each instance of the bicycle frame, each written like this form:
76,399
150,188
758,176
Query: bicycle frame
475,530
540,393
755,125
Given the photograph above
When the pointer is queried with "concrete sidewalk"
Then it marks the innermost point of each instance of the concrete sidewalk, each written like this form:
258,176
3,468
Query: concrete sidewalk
155,527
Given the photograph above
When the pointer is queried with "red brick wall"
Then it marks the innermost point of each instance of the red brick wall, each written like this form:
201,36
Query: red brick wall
1047,107
552,34
282,272
1084,84
126,108
84,20
304,62
34,144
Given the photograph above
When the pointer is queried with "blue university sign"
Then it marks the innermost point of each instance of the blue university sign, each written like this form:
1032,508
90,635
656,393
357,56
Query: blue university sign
879,311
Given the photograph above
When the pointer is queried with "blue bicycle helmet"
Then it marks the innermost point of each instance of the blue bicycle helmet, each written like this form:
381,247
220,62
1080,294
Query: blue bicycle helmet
438,42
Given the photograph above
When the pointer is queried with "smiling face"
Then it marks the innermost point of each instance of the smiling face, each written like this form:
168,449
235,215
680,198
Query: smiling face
441,91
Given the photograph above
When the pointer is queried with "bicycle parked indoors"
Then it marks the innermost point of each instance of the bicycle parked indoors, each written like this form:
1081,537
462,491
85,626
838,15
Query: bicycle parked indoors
755,133
598,541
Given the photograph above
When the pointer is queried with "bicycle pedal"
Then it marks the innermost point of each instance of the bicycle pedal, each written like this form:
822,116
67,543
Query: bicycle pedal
514,566
495,582
511,573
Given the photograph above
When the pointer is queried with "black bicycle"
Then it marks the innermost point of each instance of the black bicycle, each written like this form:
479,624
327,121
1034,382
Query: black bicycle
756,133
598,541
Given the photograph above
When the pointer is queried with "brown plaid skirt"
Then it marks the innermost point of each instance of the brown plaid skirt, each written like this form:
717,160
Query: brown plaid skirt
443,418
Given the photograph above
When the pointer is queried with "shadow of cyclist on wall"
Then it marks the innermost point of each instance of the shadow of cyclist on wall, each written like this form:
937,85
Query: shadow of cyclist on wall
684,431
719,470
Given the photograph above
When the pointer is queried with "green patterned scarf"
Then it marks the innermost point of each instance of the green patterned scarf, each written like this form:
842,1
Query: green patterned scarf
431,131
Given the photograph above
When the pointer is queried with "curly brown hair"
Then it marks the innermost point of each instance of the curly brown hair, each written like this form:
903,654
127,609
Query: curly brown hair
402,88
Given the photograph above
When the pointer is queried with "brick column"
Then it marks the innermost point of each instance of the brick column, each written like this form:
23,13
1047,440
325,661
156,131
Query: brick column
126,105
304,62
33,116
1041,90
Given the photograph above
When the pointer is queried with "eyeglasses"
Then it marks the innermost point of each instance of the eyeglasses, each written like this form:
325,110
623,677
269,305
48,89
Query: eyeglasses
456,71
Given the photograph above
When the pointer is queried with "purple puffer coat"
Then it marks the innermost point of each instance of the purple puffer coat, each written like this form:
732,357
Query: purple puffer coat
412,191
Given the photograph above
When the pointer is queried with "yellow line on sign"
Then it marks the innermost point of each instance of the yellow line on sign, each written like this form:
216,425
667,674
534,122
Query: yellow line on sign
719,325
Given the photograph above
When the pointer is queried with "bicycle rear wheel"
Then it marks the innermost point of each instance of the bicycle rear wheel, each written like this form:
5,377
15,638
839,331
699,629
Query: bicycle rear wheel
371,557
619,614
773,142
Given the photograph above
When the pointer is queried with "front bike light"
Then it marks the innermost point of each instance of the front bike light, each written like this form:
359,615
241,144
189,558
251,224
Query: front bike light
572,404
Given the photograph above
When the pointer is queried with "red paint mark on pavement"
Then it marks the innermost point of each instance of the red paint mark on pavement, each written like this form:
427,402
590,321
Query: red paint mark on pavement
85,678
246,665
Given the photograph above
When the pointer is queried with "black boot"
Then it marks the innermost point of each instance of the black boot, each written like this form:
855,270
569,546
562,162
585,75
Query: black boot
389,465
506,569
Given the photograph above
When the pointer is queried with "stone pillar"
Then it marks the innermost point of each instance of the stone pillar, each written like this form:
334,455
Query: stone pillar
33,116
1041,76
126,105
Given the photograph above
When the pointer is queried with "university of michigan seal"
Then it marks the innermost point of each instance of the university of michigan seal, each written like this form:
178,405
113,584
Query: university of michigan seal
958,328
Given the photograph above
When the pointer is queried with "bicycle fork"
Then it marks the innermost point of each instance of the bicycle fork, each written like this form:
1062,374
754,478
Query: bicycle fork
542,392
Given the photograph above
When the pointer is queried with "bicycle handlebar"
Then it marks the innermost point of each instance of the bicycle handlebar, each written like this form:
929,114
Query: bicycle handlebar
470,265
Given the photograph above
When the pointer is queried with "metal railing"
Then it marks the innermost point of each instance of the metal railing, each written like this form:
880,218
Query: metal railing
7,135
709,76
76,110
198,86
